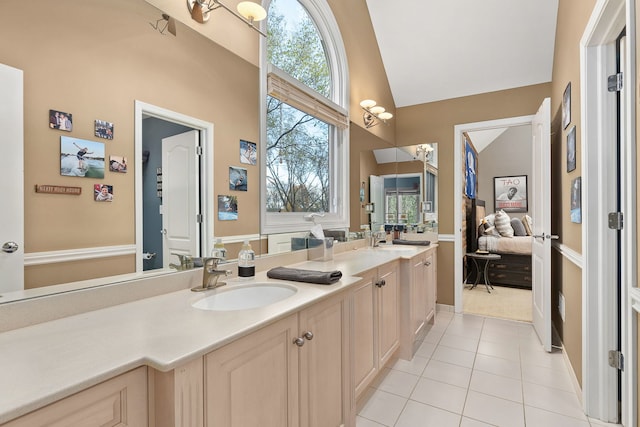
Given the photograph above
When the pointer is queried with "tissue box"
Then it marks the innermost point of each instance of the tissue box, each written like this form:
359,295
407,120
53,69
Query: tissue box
320,249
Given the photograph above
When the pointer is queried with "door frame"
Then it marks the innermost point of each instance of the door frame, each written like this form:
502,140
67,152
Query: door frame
458,140
599,306
143,110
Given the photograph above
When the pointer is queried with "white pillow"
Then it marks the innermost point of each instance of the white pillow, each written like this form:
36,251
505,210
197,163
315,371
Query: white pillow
503,224
490,219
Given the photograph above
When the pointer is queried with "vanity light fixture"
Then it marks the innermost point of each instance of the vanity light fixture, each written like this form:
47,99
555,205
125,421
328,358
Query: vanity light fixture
373,113
248,11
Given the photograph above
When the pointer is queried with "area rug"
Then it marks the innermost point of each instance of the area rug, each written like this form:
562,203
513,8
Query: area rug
502,302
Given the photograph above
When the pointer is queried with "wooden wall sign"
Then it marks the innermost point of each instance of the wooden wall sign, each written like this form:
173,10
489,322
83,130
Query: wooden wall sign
58,189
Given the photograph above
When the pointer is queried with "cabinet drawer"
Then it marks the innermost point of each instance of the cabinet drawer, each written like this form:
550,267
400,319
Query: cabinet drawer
121,401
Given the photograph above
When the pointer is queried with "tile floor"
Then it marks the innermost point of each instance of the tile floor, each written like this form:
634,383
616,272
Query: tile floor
474,371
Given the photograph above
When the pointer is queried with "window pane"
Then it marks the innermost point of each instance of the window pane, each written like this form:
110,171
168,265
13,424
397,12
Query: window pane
297,160
294,45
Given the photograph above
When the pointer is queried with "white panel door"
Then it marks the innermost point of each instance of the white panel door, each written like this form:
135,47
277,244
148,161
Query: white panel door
541,212
12,184
376,196
180,197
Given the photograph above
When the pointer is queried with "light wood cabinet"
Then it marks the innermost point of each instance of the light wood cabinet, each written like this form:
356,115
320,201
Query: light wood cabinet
120,401
418,303
376,322
291,373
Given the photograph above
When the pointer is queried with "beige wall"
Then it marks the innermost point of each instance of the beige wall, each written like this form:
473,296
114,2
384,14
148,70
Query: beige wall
573,16
96,68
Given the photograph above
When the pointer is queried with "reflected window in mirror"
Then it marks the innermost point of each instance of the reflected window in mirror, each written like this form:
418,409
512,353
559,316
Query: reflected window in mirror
305,153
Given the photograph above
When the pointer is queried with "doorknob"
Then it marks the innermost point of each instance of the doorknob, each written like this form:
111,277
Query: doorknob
546,236
10,247
163,231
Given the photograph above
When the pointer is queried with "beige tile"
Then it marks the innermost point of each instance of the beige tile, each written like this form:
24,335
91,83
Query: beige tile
440,395
552,399
414,366
459,342
493,410
454,356
536,417
504,350
448,373
419,414
555,378
496,385
498,366
468,422
363,422
383,408
426,350
397,382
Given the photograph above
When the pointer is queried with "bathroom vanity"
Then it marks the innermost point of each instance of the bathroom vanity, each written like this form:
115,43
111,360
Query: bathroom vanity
159,361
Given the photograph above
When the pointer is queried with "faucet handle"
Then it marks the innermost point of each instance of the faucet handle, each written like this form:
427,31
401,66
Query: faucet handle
213,261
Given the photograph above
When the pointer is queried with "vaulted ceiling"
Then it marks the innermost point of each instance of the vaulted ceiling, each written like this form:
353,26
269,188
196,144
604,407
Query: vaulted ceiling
435,50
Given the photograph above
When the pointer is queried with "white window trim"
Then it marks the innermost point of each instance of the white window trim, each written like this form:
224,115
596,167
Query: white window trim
329,32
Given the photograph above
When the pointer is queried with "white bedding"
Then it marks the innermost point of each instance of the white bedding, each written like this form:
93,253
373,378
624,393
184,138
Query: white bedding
519,245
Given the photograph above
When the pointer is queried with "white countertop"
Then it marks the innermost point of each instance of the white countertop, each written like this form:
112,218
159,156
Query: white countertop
46,362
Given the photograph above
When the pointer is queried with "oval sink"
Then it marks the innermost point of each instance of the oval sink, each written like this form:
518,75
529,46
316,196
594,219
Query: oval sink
246,297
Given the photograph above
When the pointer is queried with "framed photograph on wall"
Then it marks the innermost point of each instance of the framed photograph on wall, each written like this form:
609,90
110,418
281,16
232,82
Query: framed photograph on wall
248,152
510,193
571,149
566,106
576,200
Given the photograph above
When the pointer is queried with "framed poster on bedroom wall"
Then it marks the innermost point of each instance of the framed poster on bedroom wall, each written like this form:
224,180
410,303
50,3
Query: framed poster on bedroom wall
510,193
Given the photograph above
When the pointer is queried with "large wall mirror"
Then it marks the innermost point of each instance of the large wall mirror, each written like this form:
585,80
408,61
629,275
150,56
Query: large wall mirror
122,58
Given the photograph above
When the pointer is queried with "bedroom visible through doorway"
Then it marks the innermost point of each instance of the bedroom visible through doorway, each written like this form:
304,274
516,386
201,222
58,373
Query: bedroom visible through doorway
497,155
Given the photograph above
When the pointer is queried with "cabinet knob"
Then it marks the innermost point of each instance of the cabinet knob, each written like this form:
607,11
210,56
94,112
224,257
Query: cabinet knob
381,283
427,263
299,341
308,335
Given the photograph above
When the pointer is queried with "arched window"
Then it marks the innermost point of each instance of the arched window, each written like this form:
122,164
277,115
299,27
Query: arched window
305,120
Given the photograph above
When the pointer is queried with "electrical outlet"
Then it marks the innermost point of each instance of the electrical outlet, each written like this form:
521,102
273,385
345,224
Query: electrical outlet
561,306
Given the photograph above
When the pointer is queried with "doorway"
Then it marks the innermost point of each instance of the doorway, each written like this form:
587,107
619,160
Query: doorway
459,130
150,230
499,153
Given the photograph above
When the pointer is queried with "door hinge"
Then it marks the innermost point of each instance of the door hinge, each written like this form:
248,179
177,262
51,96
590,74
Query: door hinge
198,150
616,220
614,82
616,360
199,218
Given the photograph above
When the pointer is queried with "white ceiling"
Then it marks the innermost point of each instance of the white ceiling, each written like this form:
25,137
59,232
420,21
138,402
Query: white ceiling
435,50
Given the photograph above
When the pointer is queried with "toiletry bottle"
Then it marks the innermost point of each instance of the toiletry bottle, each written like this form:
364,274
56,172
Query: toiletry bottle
246,261
219,250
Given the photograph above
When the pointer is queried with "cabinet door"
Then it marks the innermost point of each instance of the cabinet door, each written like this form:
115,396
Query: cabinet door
419,297
431,284
388,311
365,352
253,381
121,401
324,361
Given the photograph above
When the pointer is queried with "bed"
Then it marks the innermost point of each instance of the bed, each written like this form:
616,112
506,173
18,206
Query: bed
514,266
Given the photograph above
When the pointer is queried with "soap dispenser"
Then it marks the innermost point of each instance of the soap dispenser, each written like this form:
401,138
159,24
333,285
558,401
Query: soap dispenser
219,250
246,261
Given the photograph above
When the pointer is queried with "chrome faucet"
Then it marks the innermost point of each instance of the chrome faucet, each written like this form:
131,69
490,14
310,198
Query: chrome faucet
211,274
376,237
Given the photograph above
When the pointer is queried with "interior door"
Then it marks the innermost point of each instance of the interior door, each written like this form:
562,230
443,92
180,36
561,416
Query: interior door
541,212
180,196
11,186
376,196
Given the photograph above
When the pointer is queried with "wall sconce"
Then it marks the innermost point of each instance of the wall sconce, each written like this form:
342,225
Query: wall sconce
370,208
248,11
373,112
